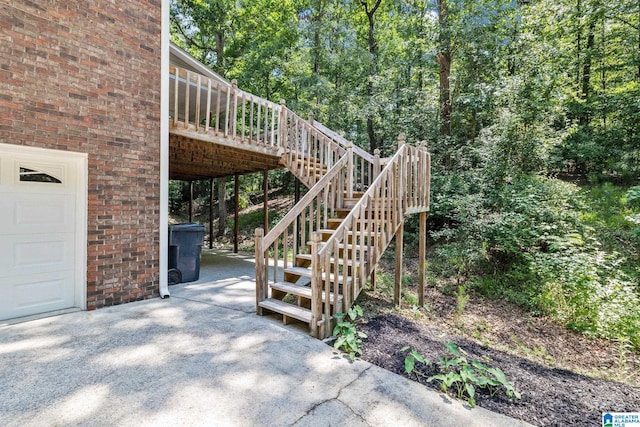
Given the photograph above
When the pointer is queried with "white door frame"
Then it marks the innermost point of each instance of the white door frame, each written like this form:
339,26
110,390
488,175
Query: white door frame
81,206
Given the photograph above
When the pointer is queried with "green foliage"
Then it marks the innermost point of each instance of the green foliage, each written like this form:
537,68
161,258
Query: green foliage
457,375
588,292
349,339
528,102
462,297
411,359
551,247
633,216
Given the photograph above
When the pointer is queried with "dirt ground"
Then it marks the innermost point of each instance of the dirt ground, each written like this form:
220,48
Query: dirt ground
564,377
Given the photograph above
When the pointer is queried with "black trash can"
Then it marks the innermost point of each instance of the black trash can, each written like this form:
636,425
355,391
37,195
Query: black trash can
185,244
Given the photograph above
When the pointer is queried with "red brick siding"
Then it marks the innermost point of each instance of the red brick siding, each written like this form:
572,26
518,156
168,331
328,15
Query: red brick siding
85,76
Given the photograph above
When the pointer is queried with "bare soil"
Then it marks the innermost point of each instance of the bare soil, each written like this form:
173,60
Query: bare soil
564,377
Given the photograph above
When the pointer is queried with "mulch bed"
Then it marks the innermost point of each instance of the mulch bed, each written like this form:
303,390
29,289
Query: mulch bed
550,396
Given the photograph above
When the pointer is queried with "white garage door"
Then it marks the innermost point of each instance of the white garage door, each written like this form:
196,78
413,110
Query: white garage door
42,231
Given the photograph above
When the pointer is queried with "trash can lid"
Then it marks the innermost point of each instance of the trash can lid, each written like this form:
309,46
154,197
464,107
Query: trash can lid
186,227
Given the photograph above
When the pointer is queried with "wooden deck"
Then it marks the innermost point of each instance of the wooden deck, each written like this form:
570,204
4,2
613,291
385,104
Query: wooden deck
218,130
196,157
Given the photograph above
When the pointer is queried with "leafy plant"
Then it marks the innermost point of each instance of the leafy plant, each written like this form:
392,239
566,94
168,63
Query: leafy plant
623,345
349,339
462,297
411,359
462,377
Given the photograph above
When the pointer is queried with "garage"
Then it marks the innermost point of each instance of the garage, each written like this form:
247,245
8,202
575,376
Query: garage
43,216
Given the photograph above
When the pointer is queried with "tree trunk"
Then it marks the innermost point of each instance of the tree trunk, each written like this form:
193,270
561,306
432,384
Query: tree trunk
603,74
317,46
373,68
578,43
220,65
444,64
222,207
585,116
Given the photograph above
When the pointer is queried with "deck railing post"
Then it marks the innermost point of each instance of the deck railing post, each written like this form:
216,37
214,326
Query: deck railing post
176,94
376,164
350,171
261,276
234,109
186,99
316,286
282,125
401,178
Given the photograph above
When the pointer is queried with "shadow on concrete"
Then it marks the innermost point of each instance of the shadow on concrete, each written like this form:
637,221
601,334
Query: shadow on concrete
201,357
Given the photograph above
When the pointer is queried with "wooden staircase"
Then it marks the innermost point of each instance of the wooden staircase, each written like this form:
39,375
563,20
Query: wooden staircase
315,262
318,259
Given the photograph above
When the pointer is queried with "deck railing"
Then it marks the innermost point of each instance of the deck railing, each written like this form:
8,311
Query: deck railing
366,166
309,153
210,107
215,108
342,264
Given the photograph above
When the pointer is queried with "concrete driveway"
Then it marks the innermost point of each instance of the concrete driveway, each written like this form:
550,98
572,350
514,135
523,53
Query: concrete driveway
202,357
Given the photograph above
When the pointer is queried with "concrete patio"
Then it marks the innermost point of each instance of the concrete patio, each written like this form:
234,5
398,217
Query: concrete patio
202,357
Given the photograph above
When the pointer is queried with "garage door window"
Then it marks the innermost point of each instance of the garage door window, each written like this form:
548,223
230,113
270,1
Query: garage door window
32,175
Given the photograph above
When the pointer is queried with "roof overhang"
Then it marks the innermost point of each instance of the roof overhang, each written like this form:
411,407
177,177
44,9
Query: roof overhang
182,59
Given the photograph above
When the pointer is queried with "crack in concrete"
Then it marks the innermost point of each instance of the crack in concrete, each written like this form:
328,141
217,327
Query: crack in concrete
336,398
347,405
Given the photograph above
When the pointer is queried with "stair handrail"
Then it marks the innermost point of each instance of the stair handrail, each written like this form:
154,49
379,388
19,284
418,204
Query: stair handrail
308,153
408,165
342,140
313,192
320,202
366,166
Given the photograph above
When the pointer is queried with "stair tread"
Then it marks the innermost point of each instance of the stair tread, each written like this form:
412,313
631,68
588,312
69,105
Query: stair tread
290,310
300,271
306,272
342,245
292,288
299,290
349,209
351,232
307,257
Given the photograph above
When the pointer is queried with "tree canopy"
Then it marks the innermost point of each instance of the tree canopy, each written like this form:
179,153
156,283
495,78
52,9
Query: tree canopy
508,94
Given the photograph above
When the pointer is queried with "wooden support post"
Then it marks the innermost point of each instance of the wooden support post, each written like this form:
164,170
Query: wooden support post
282,125
265,200
261,276
234,108
402,139
373,278
422,249
296,190
397,292
296,232
316,289
190,201
350,171
236,226
211,214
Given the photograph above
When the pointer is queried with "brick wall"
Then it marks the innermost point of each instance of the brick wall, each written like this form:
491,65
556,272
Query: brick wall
84,76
